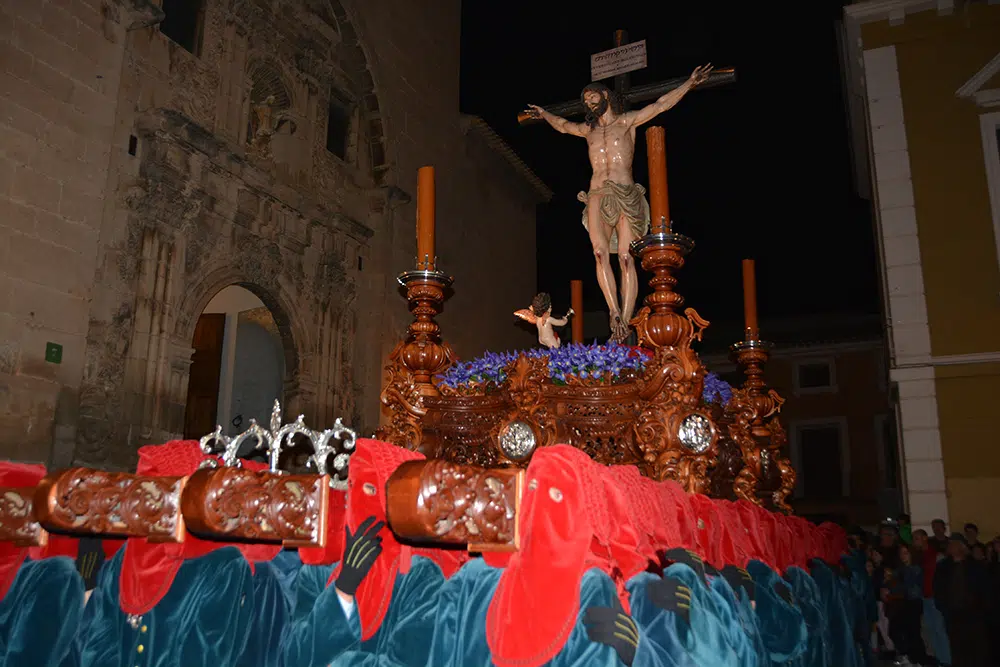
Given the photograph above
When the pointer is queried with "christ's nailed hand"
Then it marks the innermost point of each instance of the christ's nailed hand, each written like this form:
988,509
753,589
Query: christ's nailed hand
700,74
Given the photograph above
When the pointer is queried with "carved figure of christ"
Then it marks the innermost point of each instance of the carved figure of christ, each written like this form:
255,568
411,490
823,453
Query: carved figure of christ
616,209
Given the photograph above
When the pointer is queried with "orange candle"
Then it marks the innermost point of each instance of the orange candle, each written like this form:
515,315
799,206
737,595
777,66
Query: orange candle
750,299
576,303
656,151
425,218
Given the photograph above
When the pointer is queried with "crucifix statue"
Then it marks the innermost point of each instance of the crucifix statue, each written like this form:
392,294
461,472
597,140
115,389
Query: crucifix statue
615,208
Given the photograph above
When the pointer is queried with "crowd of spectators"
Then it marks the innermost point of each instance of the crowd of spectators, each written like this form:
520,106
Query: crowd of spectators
937,596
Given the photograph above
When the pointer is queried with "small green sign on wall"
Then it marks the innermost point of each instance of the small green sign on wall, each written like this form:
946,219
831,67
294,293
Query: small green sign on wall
53,353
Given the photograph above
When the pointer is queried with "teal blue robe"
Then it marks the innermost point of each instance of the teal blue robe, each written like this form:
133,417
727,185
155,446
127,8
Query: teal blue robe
270,615
202,621
782,626
666,638
463,602
730,616
840,631
40,615
286,566
320,634
807,596
748,619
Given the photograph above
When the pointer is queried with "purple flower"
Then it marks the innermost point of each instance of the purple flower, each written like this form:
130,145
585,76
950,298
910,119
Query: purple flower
716,390
603,363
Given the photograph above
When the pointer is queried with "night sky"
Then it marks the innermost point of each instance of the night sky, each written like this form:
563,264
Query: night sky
760,168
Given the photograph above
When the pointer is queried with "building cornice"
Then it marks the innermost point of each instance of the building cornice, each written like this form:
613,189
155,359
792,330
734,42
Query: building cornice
720,359
973,88
503,149
894,11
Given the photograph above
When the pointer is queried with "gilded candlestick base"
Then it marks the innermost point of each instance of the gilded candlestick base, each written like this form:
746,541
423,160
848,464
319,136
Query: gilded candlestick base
766,476
658,323
416,360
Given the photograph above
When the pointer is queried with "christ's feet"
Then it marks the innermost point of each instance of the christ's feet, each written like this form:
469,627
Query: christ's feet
619,330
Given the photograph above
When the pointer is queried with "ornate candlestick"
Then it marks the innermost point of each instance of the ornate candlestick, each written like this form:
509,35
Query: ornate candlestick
675,434
767,475
658,324
423,354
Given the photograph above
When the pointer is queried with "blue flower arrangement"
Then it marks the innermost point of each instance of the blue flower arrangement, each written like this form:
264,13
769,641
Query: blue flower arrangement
595,364
716,390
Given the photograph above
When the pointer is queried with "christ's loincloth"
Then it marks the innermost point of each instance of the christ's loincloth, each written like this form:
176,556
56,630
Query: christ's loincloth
618,200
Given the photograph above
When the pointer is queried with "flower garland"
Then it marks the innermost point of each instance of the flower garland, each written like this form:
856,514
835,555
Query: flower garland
592,364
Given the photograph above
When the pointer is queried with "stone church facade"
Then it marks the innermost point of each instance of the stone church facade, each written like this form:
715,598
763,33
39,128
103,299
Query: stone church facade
151,156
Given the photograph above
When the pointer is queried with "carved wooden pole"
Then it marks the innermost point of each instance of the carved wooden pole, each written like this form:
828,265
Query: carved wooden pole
576,303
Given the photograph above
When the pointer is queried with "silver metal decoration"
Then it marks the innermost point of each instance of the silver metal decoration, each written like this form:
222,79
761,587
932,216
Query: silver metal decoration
332,448
329,458
517,440
695,433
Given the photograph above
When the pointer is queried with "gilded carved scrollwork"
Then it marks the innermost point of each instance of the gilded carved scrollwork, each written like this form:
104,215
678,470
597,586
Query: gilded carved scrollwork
524,392
83,500
671,388
766,476
415,361
17,520
230,503
405,404
455,504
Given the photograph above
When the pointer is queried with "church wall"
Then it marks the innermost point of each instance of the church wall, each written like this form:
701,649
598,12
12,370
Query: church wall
61,65
193,196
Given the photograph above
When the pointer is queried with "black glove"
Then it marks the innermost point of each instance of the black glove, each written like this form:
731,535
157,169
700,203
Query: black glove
783,591
689,558
710,570
89,559
739,578
671,595
360,551
615,628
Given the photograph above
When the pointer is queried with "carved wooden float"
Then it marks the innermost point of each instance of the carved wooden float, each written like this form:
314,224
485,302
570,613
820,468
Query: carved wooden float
473,428
656,420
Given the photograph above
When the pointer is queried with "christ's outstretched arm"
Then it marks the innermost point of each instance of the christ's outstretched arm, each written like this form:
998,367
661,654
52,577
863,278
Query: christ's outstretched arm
670,99
558,122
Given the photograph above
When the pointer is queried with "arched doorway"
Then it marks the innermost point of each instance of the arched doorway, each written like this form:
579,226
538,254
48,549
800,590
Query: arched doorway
238,365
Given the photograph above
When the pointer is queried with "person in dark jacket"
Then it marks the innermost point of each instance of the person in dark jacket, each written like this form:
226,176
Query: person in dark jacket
962,593
939,540
905,607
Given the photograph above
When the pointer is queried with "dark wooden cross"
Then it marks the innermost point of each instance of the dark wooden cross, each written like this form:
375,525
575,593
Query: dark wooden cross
629,95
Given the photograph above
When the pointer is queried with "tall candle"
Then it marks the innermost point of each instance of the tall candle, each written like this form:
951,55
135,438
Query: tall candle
750,299
425,218
576,303
656,152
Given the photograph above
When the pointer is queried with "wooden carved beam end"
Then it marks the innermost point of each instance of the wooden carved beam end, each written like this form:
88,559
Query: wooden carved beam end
439,502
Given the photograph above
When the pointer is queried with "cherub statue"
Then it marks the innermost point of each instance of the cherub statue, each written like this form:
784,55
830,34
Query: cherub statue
540,314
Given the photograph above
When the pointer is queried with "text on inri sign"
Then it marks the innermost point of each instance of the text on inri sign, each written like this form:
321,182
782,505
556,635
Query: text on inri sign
619,60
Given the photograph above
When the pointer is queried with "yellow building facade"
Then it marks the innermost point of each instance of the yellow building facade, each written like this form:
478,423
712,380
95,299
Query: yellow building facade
923,91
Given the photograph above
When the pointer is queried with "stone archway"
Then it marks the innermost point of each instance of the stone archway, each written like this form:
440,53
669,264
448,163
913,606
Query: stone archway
237,370
196,215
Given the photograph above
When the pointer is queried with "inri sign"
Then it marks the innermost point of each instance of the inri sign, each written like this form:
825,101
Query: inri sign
619,60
